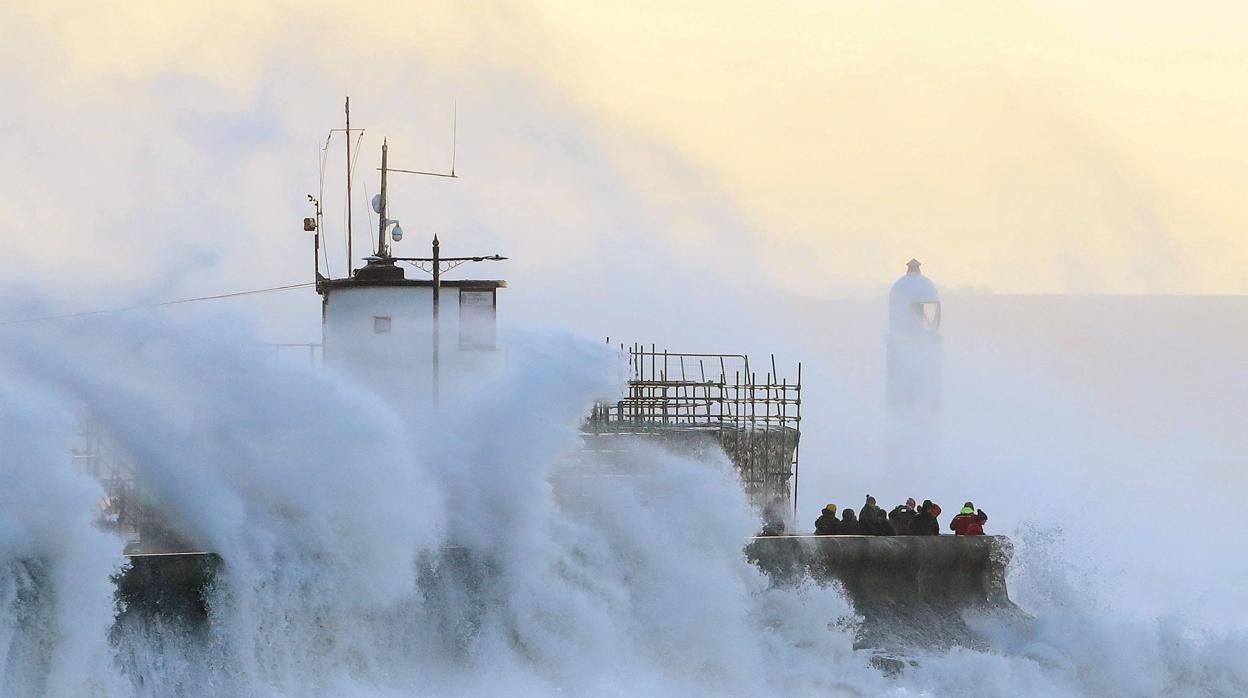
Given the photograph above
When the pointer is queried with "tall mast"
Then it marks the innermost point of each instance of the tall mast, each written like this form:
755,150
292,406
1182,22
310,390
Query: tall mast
382,247
350,265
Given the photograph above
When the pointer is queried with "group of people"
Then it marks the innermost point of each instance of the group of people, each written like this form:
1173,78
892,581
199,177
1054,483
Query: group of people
903,520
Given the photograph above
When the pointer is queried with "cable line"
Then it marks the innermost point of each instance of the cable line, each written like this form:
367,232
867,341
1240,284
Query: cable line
161,304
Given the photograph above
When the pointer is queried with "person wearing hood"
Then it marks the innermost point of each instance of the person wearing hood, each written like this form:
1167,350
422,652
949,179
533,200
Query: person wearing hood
866,516
924,522
969,522
902,516
849,523
872,521
868,510
827,524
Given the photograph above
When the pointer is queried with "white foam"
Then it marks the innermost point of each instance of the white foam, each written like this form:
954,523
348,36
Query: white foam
325,503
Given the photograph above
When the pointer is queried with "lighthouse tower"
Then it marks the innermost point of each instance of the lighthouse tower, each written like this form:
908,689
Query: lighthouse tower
913,371
914,357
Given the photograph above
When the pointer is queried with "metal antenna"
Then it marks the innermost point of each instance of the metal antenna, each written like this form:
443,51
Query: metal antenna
350,168
382,247
454,146
350,268
437,263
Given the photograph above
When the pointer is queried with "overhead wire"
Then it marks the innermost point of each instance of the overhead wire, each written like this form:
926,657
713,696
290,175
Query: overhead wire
161,304
346,235
372,225
354,158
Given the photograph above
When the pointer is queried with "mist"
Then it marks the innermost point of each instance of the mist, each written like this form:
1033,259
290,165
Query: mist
328,501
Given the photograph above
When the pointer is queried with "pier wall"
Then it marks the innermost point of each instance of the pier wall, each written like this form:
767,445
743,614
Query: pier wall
923,591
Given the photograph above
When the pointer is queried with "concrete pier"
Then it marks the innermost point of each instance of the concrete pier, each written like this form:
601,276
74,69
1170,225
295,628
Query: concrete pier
168,582
911,591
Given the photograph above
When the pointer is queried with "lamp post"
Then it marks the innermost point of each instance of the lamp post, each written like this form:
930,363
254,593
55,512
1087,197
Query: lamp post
435,265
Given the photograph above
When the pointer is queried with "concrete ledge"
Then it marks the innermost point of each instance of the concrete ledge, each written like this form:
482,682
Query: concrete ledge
168,582
909,590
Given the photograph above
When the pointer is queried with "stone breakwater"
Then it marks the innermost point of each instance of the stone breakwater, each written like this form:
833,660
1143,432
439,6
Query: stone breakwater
911,591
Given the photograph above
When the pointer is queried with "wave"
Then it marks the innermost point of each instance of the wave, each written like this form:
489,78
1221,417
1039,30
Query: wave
375,553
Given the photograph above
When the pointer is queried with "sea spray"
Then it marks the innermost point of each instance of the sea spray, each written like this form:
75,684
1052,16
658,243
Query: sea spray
370,554
56,597
1080,644
366,554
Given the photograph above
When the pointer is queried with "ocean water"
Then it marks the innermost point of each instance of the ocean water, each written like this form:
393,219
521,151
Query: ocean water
380,554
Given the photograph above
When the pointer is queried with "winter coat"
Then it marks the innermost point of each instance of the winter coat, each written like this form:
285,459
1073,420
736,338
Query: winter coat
868,515
827,525
924,524
901,518
873,521
969,524
849,523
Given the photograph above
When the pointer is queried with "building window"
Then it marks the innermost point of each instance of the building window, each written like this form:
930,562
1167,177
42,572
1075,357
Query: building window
381,324
476,319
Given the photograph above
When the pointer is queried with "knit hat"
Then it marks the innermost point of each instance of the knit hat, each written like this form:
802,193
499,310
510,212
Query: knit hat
831,509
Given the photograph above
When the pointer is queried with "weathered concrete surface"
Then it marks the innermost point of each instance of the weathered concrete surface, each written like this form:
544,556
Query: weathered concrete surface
911,591
173,583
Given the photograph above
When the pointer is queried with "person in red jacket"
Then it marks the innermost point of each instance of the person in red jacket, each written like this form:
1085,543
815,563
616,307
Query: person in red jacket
969,522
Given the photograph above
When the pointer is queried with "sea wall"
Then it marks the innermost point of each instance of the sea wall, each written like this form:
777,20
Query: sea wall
173,583
911,591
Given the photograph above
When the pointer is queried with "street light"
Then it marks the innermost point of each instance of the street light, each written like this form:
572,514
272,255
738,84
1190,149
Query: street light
435,265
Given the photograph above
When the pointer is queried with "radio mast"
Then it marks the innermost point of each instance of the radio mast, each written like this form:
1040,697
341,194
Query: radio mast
350,266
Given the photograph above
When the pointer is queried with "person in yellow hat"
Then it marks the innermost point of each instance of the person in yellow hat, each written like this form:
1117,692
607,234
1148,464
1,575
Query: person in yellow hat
827,523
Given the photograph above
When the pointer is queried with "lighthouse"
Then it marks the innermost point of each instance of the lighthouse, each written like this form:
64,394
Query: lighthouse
913,372
914,356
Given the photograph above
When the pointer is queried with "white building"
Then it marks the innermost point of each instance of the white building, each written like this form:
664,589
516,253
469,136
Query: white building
378,329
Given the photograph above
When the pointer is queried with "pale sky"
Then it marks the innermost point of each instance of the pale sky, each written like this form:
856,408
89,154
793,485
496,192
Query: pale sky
1012,146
